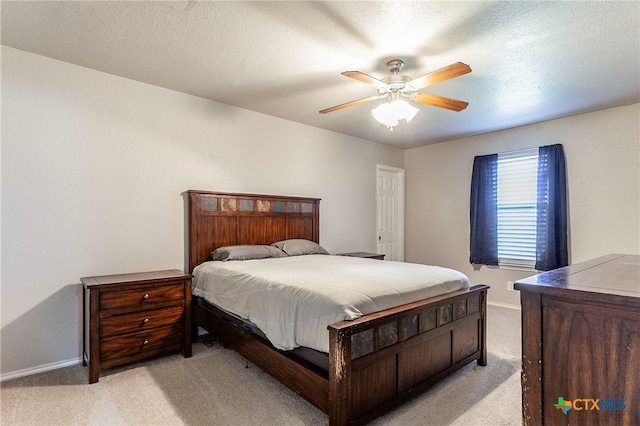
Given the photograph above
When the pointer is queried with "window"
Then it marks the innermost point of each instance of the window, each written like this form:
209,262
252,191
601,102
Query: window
518,209
517,199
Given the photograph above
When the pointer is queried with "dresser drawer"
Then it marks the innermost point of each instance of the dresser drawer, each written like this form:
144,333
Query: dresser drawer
141,345
139,298
138,321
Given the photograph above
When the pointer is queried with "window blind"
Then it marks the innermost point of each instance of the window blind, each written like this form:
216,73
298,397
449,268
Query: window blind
517,192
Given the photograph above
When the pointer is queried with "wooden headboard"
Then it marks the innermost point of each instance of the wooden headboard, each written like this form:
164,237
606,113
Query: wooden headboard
218,219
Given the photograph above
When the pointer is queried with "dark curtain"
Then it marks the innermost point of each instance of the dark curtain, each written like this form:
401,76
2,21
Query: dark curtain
551,239
484,210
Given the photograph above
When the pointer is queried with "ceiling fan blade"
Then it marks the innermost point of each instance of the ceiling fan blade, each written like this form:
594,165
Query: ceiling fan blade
347,104
439,101
446,73
365,78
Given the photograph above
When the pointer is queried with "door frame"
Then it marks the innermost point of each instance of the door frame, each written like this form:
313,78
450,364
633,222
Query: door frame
400,216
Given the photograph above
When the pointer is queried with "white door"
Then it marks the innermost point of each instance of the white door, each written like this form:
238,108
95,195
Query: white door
390,212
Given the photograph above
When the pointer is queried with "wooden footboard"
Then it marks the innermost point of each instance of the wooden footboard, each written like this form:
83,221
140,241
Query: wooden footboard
380,360
377,361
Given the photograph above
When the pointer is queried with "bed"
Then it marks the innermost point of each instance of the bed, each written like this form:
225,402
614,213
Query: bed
375,361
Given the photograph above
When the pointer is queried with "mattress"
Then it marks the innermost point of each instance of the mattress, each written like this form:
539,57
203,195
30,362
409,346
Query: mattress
293,299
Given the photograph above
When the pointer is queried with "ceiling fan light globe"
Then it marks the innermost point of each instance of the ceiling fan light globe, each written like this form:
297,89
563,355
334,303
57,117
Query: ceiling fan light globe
385,114
404,111
390,113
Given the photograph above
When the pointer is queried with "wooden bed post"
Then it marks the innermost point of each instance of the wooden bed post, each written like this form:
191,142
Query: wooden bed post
339,377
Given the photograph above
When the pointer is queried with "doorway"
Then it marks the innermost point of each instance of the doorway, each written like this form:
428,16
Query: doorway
390,212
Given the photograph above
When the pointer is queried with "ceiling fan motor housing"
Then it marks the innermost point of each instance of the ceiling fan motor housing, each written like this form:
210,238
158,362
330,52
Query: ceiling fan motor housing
396,83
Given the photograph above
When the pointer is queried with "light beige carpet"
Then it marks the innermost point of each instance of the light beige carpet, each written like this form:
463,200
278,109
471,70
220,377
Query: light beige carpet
214,388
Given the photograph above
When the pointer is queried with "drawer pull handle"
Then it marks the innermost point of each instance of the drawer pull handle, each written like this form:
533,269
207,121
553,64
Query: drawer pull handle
145,342
146,296
146,320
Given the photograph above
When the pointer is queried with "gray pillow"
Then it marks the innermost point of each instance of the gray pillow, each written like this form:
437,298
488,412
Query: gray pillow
246,252
297,247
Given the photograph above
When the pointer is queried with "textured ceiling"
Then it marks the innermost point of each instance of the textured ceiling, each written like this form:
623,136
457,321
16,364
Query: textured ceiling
531,61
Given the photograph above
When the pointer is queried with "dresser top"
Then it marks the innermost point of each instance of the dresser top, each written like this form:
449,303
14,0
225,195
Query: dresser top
615,274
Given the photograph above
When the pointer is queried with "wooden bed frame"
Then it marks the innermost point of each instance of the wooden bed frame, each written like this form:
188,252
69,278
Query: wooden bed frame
413,346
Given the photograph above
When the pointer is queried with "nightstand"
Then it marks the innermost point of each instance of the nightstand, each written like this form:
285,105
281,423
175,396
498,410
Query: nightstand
130,317
364,254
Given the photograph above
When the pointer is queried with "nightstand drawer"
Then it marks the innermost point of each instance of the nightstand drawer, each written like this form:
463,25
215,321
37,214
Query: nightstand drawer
141,345
137,321
140,298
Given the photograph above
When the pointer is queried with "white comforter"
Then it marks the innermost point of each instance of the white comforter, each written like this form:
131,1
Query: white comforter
293,299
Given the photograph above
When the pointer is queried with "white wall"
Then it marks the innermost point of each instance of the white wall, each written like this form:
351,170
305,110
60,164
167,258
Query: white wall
603,166
93,171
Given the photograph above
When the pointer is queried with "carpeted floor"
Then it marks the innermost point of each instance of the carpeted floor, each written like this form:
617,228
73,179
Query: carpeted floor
214,388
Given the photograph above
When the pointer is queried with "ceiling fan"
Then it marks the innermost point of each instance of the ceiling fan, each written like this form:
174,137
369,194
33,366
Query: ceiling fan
397,87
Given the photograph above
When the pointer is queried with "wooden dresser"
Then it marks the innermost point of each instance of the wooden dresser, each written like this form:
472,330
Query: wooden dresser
581,344
130,317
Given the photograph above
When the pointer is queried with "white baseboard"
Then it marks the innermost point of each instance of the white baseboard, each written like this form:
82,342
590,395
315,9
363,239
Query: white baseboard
505,305
40,369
